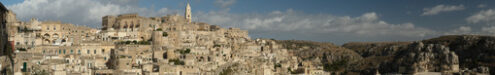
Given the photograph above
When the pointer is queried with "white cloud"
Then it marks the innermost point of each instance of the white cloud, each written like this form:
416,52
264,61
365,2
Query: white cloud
224,3
86,12
488,30
464,29
486,16
441,8
460,30
290,22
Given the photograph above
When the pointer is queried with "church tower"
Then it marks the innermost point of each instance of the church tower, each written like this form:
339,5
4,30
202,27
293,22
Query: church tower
188,13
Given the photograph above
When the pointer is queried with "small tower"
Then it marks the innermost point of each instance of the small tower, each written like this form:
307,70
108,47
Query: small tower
188,13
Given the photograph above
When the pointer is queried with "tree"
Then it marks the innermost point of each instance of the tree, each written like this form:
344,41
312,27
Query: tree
164,34
181,51
176,61
335,66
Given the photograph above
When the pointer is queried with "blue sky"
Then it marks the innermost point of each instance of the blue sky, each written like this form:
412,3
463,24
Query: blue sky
336,21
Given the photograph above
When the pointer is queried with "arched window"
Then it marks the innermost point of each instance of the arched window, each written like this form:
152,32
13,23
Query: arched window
55,35
46,35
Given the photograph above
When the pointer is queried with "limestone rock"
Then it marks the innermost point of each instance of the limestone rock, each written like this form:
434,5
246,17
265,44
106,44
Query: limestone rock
420,57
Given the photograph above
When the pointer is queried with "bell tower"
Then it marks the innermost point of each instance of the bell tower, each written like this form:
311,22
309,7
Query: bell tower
187,14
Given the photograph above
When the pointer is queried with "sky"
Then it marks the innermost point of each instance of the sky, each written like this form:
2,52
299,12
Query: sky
335,21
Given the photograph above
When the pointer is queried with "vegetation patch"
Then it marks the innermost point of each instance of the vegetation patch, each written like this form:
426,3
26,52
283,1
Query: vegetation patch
164,34
134,42
184,51
227,71
176,61
335,66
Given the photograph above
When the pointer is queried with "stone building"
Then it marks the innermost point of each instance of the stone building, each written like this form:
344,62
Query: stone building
6,53
128,27
129,44
187,14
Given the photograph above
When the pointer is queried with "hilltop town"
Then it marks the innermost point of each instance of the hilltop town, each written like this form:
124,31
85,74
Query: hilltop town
130,44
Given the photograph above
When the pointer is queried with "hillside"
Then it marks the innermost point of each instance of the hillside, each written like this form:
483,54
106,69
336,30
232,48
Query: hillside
332,57
473,50
468,52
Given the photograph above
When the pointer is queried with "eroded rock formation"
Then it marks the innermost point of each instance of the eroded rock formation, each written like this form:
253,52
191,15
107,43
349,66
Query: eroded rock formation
420,57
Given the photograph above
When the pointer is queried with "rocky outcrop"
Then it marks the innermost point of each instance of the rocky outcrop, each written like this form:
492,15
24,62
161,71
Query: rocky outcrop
403,58
322,53
447,54
419,57
474,51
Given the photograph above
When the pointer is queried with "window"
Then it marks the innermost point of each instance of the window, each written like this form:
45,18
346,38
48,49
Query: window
103,51
44,51
78,51
71,51
94,51
59,51
64,51
87,52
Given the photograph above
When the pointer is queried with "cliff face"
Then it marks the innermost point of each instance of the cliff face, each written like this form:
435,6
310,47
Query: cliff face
403,57
447,54
442,54
474,51
419,57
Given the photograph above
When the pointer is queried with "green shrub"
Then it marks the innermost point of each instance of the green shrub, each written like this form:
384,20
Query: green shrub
334,66
216,45
227,71
176,61
22,49
135,42
297,71
181,51
164,34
